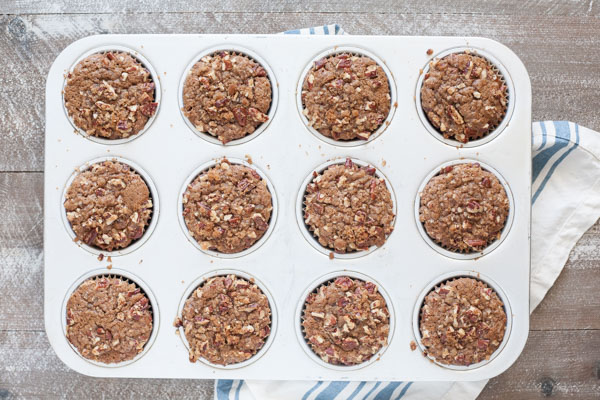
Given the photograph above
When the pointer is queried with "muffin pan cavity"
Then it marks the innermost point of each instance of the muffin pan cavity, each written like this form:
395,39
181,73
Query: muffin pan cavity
456,254
270,222
504,76
360,52
416,319
249,278
327,279
137,55
127,277
311,237
382,242
136,243
251,55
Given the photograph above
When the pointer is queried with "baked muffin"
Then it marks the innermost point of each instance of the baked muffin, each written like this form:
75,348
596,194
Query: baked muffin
227,208
110,95
462,322
109,319
346,321
464,208
346,96
348,208
108,205
226,320
227,95
463,96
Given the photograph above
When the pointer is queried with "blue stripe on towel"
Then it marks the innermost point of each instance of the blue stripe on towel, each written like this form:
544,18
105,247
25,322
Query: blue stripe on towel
312,30
325,29
223,389
403,392
386,392
358,389
541,159
292,32
563,132
331,391
237,391
544,135
372,390
312,389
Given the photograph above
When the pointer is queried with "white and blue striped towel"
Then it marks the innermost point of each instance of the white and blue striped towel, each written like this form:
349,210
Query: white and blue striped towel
565,203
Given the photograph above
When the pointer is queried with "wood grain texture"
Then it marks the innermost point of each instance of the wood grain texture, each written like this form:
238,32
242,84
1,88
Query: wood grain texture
559,42
532,7
31,370
567,357
562,54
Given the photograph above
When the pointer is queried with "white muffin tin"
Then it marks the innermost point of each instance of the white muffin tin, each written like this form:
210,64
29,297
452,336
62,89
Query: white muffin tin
286,152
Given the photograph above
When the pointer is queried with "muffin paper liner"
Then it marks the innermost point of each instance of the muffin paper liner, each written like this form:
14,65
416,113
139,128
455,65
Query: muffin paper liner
301,207
235,50
327,280
128,278
135,244
157,92
271,222
252,280
448,278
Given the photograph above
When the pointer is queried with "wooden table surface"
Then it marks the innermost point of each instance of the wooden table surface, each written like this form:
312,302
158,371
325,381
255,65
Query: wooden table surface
559,42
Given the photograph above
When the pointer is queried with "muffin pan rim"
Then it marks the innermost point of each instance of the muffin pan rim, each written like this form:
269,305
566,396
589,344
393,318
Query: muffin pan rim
153,196
232,47
497,131
416,317
132,278
196,283
311,238
145,63
329,278
352,49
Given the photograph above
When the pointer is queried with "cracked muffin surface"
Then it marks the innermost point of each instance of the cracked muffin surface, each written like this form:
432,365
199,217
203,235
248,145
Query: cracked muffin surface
226,320
227,95
464,96
110,95
346,322
109,320
227,208
464,208
346,96
108,205
462,322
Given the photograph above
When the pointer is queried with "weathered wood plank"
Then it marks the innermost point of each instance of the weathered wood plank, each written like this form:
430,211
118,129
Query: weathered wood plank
532,7
561,53
30,369
569,358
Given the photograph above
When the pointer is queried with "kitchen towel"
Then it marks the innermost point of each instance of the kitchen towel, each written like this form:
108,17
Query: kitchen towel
565,204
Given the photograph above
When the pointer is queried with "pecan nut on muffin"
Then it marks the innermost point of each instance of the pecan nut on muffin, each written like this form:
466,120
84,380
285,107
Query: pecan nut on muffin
108,206
346,321
462,322
349,208
346,96
464,208
227,208
110,95
463,96
227,320
227,95
109,320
